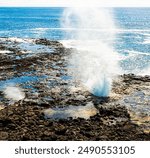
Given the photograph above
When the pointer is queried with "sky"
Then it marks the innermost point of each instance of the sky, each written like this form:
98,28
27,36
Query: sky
76,3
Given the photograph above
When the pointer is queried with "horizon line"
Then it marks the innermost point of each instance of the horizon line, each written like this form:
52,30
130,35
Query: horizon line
75,6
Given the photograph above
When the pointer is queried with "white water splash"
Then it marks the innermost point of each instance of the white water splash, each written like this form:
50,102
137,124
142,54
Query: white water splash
14,93
95,63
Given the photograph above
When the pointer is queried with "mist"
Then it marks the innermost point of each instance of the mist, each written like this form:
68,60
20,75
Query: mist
14,93
94,63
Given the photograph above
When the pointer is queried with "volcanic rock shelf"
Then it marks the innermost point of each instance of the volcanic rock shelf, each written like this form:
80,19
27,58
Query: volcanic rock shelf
42,74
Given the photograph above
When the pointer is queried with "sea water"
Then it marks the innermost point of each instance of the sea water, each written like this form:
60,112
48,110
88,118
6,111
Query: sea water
132,40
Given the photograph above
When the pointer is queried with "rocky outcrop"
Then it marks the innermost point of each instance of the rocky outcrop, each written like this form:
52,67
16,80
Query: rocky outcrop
124,115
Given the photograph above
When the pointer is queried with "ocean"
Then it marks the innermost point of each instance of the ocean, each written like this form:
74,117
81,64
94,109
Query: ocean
132,40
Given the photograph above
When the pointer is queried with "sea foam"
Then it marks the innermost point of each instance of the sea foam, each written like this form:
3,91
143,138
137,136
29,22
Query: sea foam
14,93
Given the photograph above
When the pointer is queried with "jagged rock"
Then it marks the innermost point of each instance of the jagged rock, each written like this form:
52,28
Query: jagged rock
40,76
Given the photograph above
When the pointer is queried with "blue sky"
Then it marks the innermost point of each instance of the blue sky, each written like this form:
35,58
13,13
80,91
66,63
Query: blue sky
106,3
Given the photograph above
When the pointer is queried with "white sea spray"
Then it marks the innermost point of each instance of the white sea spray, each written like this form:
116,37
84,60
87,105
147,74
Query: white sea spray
95,62
14,93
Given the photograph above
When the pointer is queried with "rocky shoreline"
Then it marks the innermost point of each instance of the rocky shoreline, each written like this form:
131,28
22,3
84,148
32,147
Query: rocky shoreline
38,66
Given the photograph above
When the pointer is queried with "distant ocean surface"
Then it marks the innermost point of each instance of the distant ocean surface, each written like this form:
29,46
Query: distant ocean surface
31,22
132,39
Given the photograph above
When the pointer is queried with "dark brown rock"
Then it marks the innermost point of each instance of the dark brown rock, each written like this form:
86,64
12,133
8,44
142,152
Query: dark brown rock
25,120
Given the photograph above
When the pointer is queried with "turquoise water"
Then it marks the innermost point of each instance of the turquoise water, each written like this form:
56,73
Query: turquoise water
21,80
132,34
30,22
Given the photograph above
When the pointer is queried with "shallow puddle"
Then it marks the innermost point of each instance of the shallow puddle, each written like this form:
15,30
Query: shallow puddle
34,48
18,80
138,104
25,82
71,112
65,77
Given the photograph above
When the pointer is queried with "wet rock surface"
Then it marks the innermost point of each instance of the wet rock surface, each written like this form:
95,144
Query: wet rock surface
42,74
